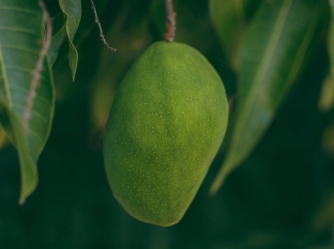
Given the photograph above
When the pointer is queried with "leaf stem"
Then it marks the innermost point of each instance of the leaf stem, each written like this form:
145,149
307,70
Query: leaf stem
39,65
100,28
170,21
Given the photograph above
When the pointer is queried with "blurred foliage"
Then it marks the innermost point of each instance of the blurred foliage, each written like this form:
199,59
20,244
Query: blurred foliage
272,58
326,101
239,13
282,196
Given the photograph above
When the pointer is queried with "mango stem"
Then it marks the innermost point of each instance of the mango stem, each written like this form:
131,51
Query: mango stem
170,21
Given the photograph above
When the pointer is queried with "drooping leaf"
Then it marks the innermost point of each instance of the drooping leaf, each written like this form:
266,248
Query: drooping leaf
229,19
72,10
3,139
271,58
328,140
326,100
331,35
59,33
26,109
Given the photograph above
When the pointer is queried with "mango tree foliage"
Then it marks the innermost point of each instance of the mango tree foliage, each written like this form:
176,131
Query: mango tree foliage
271,58
26,109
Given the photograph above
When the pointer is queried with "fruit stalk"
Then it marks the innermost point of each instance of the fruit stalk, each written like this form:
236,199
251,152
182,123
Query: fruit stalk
170,21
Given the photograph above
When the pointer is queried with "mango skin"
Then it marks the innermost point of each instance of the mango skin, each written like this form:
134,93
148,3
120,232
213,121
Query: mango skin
164,129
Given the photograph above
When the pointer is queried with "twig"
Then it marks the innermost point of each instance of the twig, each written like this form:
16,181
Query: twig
100,28
170,22
39,65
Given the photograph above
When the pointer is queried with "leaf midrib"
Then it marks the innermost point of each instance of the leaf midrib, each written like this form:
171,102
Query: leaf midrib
19,10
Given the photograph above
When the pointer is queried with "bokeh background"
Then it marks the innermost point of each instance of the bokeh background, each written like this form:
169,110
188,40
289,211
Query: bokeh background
282,196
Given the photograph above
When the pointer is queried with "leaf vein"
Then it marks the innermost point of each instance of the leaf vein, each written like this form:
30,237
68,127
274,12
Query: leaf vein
32,132
20,10
34,112
20,30
26,91
20,48
24,70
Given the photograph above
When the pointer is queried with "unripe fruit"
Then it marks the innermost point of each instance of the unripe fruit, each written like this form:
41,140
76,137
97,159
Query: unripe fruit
164,129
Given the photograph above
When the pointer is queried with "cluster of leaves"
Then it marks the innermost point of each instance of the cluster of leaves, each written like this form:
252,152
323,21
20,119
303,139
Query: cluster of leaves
268,46
26,108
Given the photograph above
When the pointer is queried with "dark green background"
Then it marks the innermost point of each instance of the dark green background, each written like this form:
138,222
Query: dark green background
281,197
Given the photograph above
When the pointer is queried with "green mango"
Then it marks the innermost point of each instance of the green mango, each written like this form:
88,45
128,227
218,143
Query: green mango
164,129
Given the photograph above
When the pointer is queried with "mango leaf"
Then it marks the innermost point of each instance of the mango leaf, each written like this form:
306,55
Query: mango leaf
59,33
72,10
326,100
271,58
26,109
230,19
3,138
331,35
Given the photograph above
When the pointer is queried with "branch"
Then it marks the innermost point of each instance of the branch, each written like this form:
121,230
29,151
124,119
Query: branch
39,65
100,28
170,22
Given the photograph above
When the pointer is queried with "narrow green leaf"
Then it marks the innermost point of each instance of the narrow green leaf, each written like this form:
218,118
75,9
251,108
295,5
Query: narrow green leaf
326,100
29,176
59,33
26,110
229,19
331,34
3,138
72,10
271,58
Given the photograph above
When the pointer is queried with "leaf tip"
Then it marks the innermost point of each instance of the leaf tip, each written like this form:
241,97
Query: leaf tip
73,68
217,184
220,178
28,186
22,200
25,193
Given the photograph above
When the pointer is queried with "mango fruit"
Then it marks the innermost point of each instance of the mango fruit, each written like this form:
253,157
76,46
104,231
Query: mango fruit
165,126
